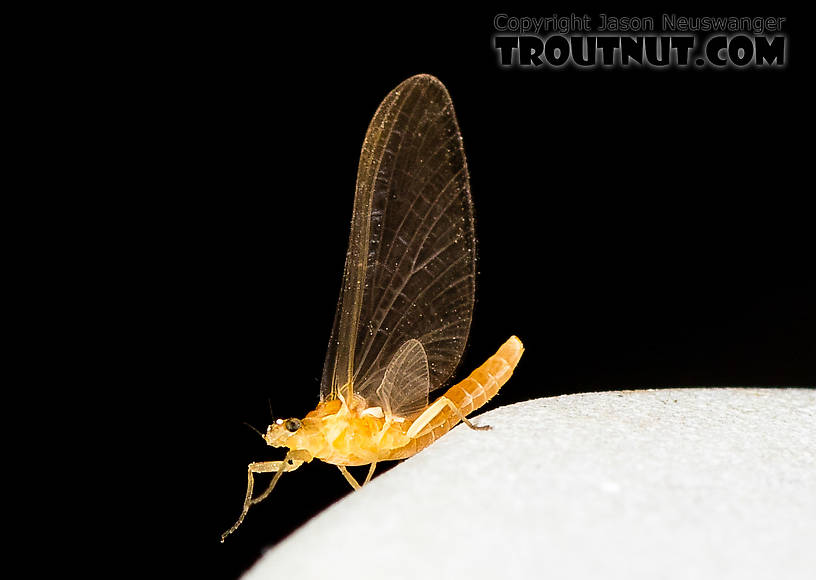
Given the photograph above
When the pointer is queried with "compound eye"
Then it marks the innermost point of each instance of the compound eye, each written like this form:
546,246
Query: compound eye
292,425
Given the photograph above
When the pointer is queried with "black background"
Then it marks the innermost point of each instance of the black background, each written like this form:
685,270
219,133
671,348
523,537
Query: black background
636,229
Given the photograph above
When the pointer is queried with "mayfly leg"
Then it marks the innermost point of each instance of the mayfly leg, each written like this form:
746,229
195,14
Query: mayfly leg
350,478
293,460
423,422
464,419
370,472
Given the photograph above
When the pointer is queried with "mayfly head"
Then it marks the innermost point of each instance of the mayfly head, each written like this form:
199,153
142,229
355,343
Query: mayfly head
279,432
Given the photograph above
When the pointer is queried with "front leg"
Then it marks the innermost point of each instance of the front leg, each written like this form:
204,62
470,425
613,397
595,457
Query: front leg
293,460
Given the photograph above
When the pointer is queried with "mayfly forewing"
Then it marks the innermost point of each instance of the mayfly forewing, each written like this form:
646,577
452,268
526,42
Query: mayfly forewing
410,266
404,388
338,369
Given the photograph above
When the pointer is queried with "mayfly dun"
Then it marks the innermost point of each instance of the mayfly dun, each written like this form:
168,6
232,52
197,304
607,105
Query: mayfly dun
405,304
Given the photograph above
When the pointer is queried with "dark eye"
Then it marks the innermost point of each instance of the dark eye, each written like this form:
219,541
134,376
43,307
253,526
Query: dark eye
292,425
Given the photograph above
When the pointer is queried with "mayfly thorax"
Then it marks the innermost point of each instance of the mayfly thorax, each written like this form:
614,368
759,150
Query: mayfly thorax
405,304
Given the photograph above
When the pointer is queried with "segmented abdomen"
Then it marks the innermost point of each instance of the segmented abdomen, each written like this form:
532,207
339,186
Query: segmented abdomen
468,395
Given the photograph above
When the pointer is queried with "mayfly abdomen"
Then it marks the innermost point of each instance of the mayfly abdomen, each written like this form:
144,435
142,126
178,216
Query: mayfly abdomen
483,383
467,396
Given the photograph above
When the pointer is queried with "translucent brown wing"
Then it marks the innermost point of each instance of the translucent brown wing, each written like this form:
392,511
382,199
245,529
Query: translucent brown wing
410,266
404,388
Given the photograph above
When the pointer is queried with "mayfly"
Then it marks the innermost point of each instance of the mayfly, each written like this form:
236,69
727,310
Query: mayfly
405,304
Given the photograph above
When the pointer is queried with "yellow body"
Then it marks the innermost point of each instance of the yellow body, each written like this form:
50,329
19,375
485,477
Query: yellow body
350,433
